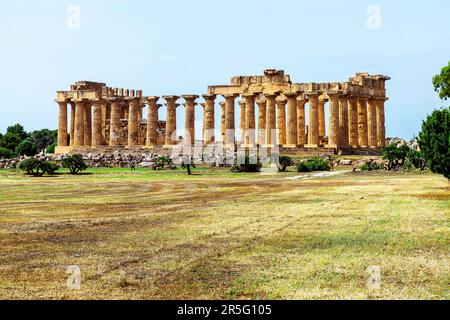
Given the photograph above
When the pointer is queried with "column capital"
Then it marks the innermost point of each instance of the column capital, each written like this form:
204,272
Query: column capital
190,97
230,96
281,100
292,94
171,98
152,99
209,97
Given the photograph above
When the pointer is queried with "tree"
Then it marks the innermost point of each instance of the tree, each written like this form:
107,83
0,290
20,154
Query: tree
284,162
441,83
33,167
396,155
13,137
434,141
44,138
74,163
162,161
6,153
26,148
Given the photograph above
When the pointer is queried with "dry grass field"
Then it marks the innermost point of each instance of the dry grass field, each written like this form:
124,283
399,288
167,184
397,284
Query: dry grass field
151,235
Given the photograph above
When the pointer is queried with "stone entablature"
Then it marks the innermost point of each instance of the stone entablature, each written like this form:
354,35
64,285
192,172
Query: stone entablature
101,116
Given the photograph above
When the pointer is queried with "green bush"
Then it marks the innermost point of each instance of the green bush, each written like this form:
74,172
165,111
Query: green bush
26,148
371,166
51,148
314,164
74,163
246,164
50,167
284,162
6,153
396,155
33,167
303,167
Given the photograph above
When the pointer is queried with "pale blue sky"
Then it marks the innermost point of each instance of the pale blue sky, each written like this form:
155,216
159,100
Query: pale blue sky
182,46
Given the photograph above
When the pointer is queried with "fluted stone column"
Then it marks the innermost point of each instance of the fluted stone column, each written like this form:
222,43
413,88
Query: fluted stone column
79,124
301,121
281,121
209,136
372,123
343,121
353,122
271,120
291,130
230,119
152,121
250,134
203,105
97,136
242,120
171,124
72,123
133,123
105,114
321,110
63,138
262,117
223,119
381,126
190,119
313,132
362,121
88,124
333,134
116,110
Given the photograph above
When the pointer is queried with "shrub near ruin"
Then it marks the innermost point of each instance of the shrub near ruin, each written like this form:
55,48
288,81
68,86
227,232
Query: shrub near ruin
313,164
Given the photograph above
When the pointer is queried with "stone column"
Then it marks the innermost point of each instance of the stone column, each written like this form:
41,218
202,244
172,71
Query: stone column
152,121
190,119
362,121
230,119
381,126
262,115
353,122
171,124
343,121
250,134
79,124
63,138
321,110
105,114
313,132
291,130
281,121
333,134
223,119
116,111
301,121
203,105
372,123
88,124
271,122
242,120
133,123
72,123
209,136
97,130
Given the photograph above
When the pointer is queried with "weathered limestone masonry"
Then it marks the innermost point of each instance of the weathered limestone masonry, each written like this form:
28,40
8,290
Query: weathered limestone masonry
104,119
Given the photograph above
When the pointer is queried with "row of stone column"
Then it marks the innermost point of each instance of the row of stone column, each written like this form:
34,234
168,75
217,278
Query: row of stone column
354,121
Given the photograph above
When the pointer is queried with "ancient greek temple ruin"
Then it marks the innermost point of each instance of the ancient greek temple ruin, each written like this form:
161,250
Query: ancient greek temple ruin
270,110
